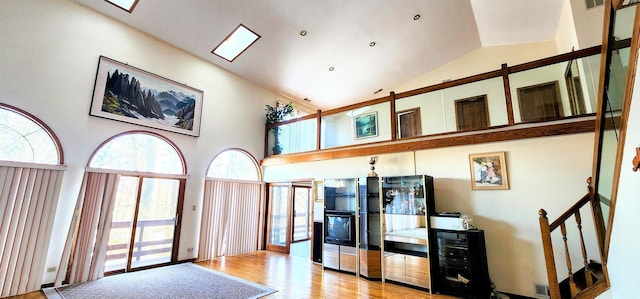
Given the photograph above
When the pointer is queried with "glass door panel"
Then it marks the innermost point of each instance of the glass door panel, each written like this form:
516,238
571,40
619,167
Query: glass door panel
279,226
120,233
155,222
301,213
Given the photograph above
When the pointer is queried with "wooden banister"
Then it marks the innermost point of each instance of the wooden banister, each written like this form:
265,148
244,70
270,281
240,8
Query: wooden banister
585,259
575,286
547,244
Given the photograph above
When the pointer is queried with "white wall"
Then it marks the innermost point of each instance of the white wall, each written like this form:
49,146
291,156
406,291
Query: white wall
547,173
50,52
588,23
566,36
482,60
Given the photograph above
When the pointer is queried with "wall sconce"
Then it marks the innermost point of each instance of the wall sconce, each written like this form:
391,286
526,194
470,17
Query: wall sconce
372,161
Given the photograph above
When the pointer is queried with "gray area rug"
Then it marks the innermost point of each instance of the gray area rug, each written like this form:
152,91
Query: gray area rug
177,281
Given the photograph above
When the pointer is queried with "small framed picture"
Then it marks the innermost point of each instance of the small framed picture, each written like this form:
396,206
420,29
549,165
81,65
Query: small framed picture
366,125
318,186
489,171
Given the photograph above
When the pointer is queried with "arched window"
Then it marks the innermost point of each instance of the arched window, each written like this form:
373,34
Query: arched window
233,199
30,178
139,151
24,138
234,164
140,177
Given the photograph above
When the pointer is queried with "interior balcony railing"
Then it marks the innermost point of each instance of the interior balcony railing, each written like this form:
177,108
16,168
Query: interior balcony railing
559,93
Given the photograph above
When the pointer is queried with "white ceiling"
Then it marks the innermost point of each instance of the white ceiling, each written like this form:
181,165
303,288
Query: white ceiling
339,33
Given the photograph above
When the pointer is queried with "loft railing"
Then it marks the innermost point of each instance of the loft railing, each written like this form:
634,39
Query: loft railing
437,110
587,281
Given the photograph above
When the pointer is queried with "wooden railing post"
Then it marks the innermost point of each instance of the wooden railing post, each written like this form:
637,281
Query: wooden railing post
587,271
572,283
552,275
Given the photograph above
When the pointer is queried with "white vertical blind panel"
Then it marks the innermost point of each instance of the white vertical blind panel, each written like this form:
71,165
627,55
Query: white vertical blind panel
230,218
28,199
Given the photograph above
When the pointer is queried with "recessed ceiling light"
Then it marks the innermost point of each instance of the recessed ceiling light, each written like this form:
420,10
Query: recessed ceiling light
127,5
237,42
331,69
303,32
307,100
416,17
371,44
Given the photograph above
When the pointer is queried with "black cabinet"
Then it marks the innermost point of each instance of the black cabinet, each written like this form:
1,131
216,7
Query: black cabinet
316,253
370,227
459,263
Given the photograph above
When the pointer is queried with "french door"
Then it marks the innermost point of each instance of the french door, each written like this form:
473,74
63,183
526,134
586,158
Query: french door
144,223
289,216
278,219
301,213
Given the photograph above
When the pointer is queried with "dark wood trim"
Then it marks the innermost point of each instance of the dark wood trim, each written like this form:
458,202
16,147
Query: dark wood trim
134,224
356,106
556,88
617,4
178,224
290,121
458,102
444,140
570,212
626,105
318,129
392,112
452,83
507,94
604,61
555,59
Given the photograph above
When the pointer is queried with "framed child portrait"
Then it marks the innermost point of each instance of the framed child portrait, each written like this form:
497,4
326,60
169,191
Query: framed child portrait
489,171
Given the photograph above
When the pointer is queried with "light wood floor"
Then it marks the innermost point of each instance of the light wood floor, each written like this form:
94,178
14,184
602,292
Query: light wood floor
297,277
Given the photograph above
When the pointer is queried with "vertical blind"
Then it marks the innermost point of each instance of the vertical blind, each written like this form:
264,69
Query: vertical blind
231,218
28,201
85,249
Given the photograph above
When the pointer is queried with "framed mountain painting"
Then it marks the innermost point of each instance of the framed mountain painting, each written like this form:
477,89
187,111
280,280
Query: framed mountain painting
128,94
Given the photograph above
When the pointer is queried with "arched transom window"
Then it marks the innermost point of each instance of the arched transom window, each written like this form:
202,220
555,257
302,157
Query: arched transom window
139,151
234,164
23,138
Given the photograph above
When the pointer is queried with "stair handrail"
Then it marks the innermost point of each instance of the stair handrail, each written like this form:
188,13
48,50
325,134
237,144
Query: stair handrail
547,228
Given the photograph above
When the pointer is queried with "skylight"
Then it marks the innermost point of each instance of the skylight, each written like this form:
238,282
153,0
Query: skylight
127,5
237,42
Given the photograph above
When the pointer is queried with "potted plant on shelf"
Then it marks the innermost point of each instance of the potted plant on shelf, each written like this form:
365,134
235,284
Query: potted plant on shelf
274,115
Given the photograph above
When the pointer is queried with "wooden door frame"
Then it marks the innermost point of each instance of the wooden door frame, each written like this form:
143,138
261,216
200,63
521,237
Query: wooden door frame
556,88
268,245
177,224
483,97
309,211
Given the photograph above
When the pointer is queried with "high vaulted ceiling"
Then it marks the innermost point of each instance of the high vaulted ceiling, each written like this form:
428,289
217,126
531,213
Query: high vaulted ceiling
339,33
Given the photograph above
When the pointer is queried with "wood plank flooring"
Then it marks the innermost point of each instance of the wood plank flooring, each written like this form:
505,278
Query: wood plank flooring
297,277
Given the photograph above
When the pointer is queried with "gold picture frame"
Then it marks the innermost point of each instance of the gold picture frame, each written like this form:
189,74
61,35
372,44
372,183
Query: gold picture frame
318,188
489,171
